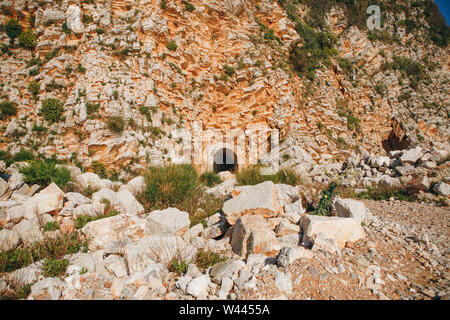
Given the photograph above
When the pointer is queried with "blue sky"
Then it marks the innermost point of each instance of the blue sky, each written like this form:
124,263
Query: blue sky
444,6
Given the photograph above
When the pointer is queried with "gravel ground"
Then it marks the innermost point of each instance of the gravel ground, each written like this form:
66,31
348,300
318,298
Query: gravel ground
404,256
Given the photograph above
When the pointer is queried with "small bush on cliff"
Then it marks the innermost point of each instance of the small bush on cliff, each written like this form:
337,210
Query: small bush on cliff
116,124
52,110
13,29
171,45
7,109
28,39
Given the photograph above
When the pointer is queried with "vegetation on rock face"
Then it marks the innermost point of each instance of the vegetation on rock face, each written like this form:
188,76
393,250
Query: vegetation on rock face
171,45
13,29
44,172
22,155
7,109
52,110
28,39
115,124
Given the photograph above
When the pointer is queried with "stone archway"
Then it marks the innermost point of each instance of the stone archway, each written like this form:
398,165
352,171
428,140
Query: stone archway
225,160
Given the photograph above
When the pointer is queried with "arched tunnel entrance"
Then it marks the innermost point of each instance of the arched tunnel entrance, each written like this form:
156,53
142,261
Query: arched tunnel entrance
225,160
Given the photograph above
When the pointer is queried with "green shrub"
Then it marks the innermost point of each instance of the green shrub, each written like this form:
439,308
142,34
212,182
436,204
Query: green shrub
51,226
252,176
115,124
28,39
44,172
52,110
171,45
170,185
54,267
178,266
189,7
66,29
230,71
99,169
324,206
13,29
37,128
87,18
317,49
7,109
48,248
206,259
34,88
210,179
22,155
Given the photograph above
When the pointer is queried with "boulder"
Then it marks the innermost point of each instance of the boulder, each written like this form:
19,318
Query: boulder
103,194
283,282
73,19
168,222
9,240
28,231
285,228
339,229
349,208
92,180
325,243
3,187
135,186
286,194
289,254
49,200
90,209
15,181
412,156
193,232
162,249
260,199
106,230
198,287
228,269
77,198
252,234
293,211
126,203
442,189
17,213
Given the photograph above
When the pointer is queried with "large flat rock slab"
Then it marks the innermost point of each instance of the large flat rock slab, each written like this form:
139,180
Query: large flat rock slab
260,199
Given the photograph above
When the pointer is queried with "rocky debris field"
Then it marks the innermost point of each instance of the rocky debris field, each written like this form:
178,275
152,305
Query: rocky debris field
263,244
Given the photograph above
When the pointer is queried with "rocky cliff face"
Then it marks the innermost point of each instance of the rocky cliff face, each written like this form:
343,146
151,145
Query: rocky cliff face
128,73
